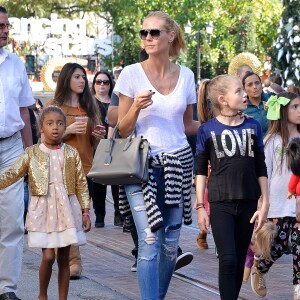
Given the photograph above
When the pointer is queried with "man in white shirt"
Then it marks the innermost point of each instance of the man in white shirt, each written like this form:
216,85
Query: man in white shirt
15,131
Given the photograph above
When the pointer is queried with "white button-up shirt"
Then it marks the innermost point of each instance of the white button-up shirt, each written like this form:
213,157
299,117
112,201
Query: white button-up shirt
15,92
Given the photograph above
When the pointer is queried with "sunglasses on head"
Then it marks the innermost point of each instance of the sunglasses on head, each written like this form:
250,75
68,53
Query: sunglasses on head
104,82
154,33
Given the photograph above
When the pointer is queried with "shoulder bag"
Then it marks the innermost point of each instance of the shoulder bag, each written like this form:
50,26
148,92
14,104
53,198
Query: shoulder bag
119,161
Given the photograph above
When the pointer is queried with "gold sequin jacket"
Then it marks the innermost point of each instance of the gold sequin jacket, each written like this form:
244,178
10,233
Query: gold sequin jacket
35,163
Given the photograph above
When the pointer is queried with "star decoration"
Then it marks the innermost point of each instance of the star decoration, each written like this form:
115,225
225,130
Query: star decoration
277,72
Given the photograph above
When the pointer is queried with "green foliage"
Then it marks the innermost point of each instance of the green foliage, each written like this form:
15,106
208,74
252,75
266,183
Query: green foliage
127,17
246,35
285,53
43,8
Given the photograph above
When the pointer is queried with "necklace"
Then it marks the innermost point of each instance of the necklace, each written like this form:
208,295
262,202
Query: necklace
153,81
229,116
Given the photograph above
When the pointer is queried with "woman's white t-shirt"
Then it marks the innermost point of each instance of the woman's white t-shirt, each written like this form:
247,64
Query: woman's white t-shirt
162,122
278,178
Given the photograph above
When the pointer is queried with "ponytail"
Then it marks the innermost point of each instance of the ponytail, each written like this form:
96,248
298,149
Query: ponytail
204,108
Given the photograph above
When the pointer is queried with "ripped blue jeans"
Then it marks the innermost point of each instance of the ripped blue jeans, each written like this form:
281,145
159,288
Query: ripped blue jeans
157,252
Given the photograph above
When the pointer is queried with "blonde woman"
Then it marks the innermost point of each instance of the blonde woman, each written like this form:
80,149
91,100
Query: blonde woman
156,98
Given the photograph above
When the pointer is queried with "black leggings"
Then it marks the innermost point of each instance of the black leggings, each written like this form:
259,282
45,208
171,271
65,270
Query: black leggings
232,231
99,197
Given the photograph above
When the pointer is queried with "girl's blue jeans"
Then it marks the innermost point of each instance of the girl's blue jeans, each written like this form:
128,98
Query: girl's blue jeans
157,252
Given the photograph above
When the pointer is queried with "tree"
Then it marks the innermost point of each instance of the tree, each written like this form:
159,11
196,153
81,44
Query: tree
246,35
285,53
127,16
43,8
226,16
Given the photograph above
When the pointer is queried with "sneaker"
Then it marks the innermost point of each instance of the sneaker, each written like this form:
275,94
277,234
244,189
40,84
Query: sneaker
134,267
9,296
183,260
216,252
296,291
258,283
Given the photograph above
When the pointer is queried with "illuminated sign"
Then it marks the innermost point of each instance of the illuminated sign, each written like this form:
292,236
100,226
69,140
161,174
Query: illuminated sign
59,36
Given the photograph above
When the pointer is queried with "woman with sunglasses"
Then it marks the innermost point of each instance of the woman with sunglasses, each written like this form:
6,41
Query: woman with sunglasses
102,88
73,96
156,98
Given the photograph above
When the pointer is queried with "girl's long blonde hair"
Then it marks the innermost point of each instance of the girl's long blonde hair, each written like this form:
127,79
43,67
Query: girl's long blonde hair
264,239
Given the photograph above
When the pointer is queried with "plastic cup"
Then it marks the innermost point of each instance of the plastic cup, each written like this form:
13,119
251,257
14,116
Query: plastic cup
83,119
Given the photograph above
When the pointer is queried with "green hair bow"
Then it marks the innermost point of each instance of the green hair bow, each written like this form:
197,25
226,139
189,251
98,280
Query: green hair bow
273,105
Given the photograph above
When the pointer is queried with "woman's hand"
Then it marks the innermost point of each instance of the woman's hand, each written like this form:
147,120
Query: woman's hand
76,128
203,220
99,132
143,100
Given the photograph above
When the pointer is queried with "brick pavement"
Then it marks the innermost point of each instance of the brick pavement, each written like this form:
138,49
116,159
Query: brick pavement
84,289
113,270
107,260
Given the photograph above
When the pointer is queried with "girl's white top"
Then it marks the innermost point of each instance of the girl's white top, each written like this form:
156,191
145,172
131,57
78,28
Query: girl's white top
162,122
278,178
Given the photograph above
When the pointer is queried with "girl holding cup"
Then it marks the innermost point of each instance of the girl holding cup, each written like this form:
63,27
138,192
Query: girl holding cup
73,96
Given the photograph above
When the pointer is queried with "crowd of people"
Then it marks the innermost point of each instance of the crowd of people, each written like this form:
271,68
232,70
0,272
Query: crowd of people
243,164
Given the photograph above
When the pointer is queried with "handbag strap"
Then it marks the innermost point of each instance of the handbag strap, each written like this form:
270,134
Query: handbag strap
112,140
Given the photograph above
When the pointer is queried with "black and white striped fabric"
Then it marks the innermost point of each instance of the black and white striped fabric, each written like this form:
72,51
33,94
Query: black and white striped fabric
178,169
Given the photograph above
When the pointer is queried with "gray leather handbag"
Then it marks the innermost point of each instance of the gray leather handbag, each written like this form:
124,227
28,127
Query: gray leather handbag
119,161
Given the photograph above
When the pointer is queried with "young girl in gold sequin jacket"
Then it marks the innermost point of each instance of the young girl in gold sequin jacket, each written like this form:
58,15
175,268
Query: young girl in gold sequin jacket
59,194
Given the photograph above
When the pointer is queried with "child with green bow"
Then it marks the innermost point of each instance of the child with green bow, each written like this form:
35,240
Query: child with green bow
284,115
